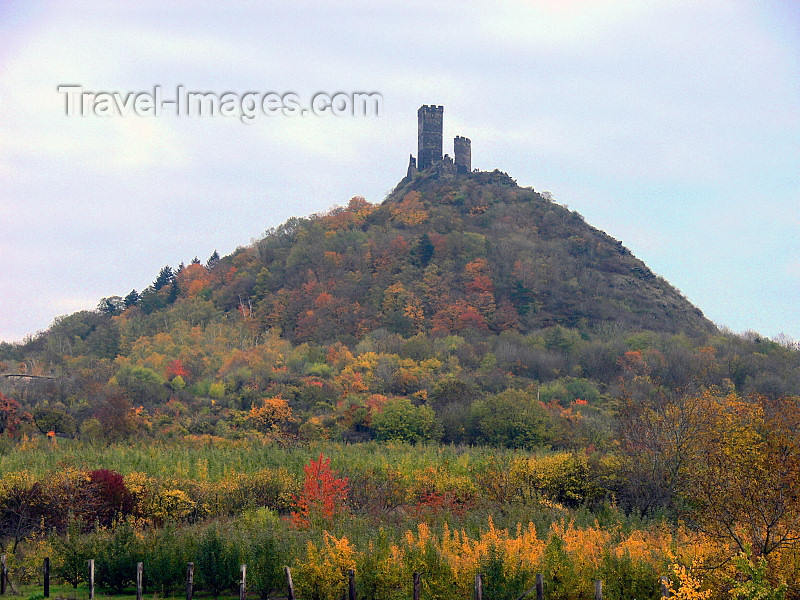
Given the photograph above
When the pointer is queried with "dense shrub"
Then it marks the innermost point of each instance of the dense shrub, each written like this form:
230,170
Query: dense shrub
401,421
109,498
624,577
513,418
168,552
264,551
216,561
71,551
500,582
118,551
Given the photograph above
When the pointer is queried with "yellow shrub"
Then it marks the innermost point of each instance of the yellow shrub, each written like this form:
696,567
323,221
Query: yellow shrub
173,505
519,551
688,586
324,574
585,545
28,568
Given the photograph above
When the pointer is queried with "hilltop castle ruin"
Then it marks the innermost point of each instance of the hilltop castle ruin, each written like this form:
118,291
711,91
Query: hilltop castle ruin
429,146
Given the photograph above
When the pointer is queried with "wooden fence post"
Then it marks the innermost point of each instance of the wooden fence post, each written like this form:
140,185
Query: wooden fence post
289,584
351,585
478,587
243,584
598,589
3,574
664,587
139,573
91,579
189,580
46,576
417,586
539,587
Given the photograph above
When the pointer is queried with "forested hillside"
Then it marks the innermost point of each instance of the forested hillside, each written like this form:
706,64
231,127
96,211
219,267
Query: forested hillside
461,310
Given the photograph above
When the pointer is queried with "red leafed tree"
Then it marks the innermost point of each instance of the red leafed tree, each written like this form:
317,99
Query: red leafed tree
109,497
176,368
323,496
10,414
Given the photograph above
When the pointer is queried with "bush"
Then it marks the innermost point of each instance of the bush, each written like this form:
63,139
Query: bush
109,497
512,418
498,582
560,573
402,421
379,576
753,581
625,578
324,574
217,561
71,551
438,580
117,556
265,552
165,564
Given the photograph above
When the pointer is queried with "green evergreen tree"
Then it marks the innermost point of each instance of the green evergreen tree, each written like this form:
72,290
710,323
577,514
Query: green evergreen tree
164,277
423,251
132,299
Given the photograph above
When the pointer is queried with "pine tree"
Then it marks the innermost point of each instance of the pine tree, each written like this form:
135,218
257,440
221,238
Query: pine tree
164,277
132,299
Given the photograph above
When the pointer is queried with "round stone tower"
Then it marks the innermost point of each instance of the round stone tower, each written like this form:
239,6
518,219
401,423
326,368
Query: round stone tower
463,151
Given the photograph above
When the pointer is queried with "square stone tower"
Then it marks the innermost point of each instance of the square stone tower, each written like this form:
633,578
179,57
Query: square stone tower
429,135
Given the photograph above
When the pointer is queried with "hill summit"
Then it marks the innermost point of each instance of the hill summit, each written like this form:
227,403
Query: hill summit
448,252
451,249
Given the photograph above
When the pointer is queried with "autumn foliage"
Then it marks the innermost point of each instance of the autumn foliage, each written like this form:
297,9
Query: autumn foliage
323,496
570,385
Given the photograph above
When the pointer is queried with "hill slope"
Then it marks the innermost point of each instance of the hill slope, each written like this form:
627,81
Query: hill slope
551,265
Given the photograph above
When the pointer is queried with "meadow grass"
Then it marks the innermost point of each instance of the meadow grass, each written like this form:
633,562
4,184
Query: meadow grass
217,458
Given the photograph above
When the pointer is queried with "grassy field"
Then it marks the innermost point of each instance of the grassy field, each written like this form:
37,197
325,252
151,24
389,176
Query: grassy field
213,459
67,592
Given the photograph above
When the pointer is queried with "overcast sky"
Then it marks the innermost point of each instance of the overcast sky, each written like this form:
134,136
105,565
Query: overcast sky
672,125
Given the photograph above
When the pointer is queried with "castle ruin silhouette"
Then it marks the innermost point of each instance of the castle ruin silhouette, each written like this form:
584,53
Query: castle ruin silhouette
429,146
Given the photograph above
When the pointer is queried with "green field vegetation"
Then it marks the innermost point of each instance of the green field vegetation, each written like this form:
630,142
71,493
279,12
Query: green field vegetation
446,511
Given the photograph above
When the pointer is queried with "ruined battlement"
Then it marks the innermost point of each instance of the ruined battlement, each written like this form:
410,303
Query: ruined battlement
430,119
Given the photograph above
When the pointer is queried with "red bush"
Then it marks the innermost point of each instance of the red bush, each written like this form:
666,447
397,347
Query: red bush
109,497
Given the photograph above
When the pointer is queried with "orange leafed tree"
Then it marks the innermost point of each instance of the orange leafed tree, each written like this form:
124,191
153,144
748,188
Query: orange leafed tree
193,278
323,496
272,416
410,211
